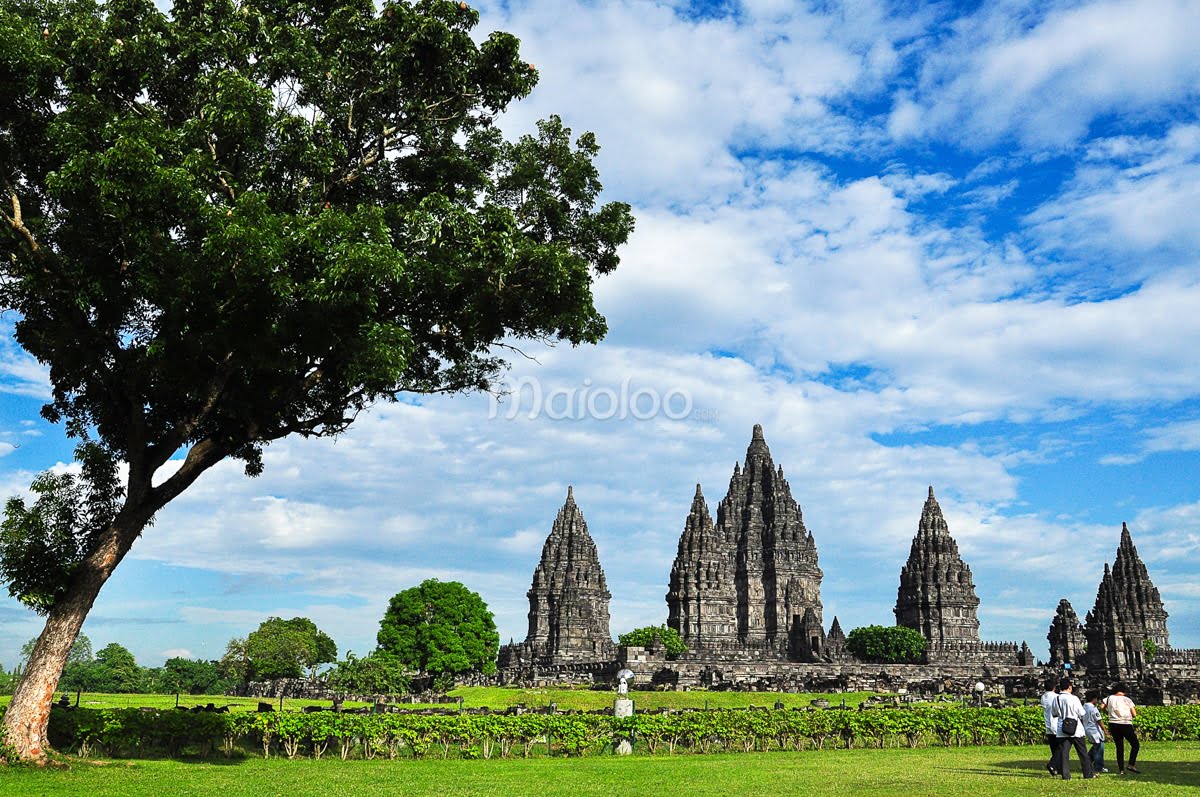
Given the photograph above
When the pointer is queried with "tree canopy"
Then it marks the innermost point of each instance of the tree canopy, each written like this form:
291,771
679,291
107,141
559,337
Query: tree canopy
440,627
643,637
247,219
895,644
379,673
281,648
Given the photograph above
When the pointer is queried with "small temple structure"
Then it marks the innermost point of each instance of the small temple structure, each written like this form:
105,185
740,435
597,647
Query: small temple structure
1067,644
568,600
937,594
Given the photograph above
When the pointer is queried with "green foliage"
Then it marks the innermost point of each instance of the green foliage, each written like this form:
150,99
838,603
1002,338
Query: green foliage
643,637
124,731
191,677
42,545
235,664
286,648
440,627
1150,648
376,674
81,650
890,645
240,221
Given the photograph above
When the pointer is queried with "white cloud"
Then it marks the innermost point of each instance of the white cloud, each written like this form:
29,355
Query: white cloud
1131,197
1180,436
1043,73
20,374
177,653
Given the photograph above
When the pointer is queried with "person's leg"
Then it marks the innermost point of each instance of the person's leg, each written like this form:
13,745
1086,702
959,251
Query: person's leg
1085,761
1064,757
1099,757
1134,746
1119,737
1052,764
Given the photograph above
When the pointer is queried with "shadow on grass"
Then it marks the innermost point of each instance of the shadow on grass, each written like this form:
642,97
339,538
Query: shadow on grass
1166,773
120,763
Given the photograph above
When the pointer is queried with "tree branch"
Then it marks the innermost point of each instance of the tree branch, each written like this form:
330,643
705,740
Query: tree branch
18,224
212,148
161,452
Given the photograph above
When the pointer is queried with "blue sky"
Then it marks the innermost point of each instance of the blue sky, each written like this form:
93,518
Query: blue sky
942,244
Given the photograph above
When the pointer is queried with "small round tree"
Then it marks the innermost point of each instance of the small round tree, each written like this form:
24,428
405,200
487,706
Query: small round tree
888,645
440,628
643,637
286,648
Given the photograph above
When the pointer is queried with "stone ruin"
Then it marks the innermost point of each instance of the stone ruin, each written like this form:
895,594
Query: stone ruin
1124,637
745,597
568,600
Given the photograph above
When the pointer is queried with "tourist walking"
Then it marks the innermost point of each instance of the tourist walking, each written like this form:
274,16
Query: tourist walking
1068,727
1048,696
1121,711
1093,731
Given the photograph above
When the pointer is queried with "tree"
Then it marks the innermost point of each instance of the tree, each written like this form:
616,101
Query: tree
190,676
119,670
235,664
81,650
376,674
643,637
285,648
246,220
889,645
440,627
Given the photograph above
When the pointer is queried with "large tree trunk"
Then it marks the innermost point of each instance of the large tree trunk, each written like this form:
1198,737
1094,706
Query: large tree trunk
28,713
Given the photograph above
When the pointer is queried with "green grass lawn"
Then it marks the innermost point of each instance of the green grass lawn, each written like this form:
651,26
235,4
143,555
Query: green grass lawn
1168,768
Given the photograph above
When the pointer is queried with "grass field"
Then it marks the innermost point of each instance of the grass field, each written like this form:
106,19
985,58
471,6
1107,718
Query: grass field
493,697
1168,769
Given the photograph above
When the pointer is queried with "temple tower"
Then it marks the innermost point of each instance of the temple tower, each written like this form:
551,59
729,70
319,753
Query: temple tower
835,641
937,594
568,601
1128,615
1066,635
701,603
757,559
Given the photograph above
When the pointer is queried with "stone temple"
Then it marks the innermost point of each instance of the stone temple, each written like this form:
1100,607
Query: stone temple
568,601
745,596
937,595
745,582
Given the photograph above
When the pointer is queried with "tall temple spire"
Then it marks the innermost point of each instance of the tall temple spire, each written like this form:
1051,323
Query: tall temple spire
758,559
568,600
1128,619
937,594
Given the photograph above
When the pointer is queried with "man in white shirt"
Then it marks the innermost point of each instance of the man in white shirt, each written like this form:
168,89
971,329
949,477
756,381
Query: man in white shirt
1048,696
1066,708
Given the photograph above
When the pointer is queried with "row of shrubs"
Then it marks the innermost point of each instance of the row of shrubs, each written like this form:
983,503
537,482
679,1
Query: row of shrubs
140,732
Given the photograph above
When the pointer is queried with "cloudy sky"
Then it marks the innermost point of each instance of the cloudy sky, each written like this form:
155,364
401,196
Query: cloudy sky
947,244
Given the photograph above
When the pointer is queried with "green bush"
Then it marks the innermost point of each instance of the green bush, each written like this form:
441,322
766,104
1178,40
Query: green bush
887,645
134,732
643,637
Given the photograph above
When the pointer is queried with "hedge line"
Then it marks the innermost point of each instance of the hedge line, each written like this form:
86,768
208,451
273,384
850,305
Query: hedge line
137,732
